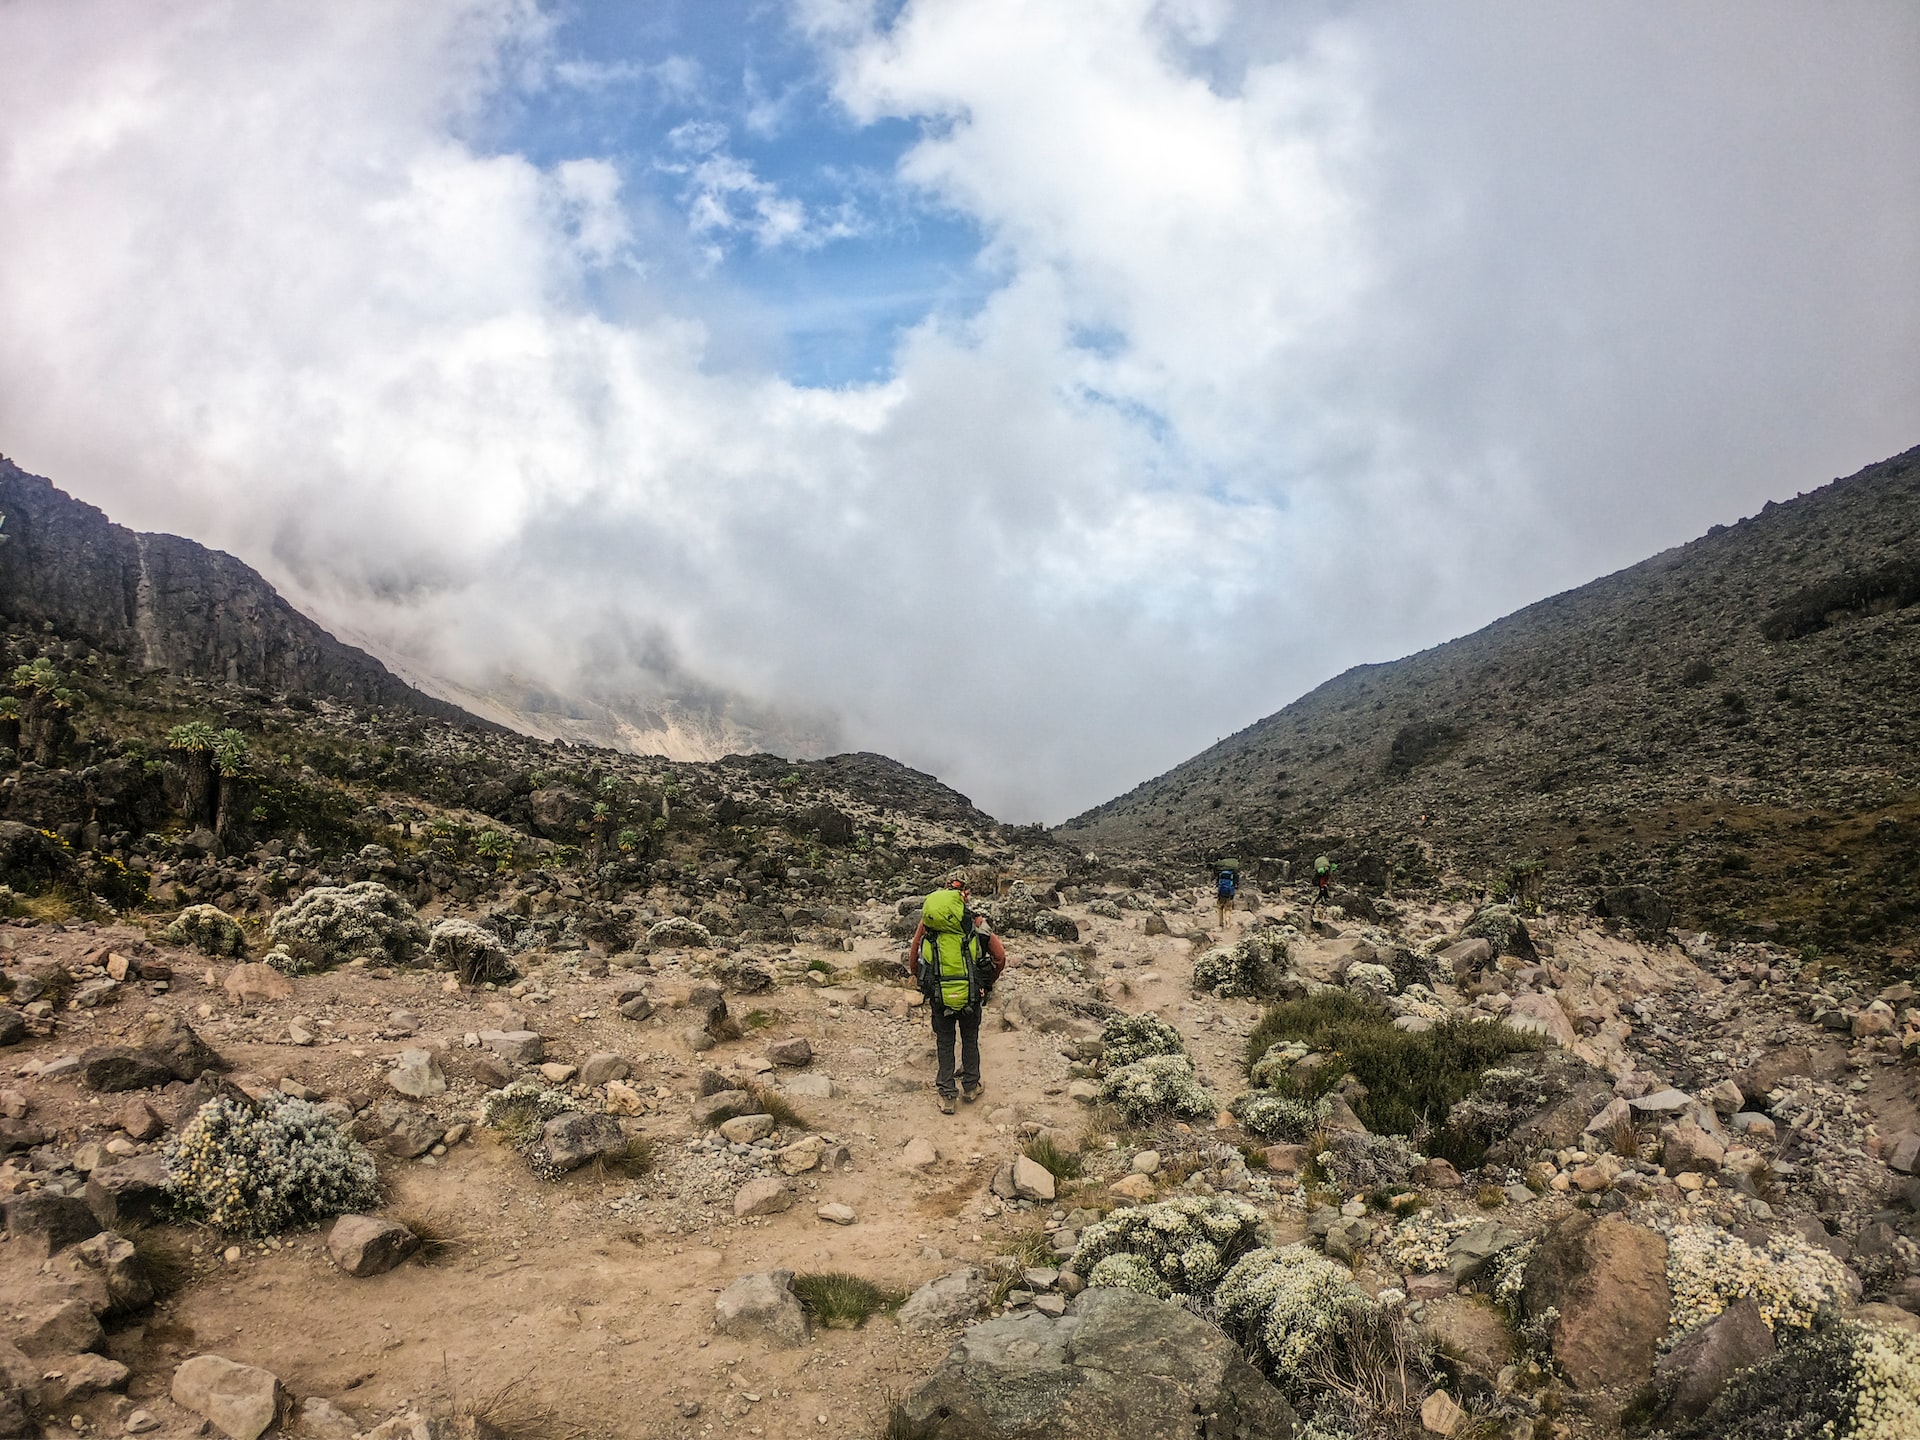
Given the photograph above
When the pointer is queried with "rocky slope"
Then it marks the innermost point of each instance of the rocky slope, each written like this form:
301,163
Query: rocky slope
1733,722
169,604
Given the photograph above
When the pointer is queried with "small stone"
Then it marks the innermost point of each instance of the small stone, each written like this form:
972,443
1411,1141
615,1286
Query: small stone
745,1129
417,1075
556,1073
1031,1179
1146,1162
242,1400
708,1108
794,1051
516,1047
1285,1159
602,1066
257,984
364,1245
835,1213
809,1087
1083,1092
1440,1414
1055,1305
918,1153
1133,1187
760,1306
1725,1098
140,1422
623,1099
412,1134
764,1196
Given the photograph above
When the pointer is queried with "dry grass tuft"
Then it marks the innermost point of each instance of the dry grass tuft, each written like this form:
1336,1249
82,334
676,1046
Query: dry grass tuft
840,1301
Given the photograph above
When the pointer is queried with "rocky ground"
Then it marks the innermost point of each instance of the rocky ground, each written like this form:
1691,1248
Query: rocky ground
607,1302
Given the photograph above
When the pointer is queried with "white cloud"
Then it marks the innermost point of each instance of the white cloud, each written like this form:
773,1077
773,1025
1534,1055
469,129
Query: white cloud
1307,343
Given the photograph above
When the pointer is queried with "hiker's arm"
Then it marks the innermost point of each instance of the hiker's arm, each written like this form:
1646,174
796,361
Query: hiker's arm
998,953
913,951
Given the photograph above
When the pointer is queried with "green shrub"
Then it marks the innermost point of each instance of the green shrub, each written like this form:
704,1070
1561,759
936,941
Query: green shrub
840,1301
208,929
257,1169
1278,1117
1411,1080
1059,1163
331,924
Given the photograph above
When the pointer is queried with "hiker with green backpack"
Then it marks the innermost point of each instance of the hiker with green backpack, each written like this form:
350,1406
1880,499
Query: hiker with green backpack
957,960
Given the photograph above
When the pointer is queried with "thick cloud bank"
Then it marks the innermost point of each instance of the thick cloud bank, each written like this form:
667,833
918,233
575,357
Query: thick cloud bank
1304,343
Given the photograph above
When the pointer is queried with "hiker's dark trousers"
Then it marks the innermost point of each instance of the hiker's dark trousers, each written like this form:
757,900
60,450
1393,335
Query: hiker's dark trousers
966,1025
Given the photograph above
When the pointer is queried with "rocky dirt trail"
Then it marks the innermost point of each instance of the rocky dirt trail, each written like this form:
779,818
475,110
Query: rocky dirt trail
586,1305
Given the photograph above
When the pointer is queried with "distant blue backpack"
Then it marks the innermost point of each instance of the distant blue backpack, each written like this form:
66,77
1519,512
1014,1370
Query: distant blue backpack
1225,885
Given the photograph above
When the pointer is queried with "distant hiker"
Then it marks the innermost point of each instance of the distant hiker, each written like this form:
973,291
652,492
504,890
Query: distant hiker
1224,885
1323,869
957,961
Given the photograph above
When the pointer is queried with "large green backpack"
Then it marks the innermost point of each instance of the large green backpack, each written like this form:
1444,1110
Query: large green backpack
949,952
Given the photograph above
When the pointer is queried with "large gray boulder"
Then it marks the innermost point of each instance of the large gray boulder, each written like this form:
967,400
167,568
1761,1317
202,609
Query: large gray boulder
1118,1365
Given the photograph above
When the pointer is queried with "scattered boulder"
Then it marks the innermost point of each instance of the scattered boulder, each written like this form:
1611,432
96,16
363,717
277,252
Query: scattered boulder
834,1213
571,1140
794,1051
918,1154
1118,1365
364,1245
13,1026
113,1069
1031,1179
57,1327
417,1075
711,1109
516,1047
128,1194
602,1066
762,1306
1606,1281
178,1046
243,1401
254,983
745,1129
1538,1014
42,1223
1696,1370
113,1272
1685,1146
940,1304
763,1196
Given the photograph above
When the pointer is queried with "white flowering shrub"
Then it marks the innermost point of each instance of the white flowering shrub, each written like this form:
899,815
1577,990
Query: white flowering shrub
256,1170
1709,1269
1127,1038
1251,968
1179,1247
1375,978
331,924
208,929
472,951
1418,1244
1507,1280
1844,1380
1278,1117
1158,1084
519,1112
1356,1160
1129,1272
1286,1308
1418,1000
1279,1059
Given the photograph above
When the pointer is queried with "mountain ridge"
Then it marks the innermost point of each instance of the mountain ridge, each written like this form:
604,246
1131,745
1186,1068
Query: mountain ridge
1726,690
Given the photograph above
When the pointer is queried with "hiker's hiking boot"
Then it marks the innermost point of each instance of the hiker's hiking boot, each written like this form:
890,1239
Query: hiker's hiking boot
947,1107
971,1093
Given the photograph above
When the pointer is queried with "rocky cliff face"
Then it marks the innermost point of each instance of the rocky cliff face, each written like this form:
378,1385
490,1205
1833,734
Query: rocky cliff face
170,604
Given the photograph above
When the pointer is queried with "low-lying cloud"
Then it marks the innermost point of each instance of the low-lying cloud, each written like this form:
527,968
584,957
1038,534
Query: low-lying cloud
1306,342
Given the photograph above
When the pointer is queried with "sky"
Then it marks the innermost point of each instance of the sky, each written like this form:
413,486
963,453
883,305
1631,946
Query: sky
1034,392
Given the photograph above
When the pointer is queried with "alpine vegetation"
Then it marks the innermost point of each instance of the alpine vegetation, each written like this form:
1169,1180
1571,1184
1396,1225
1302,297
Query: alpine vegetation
332,924
471,951
1252,968
1178,1248
208,929
258,1169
